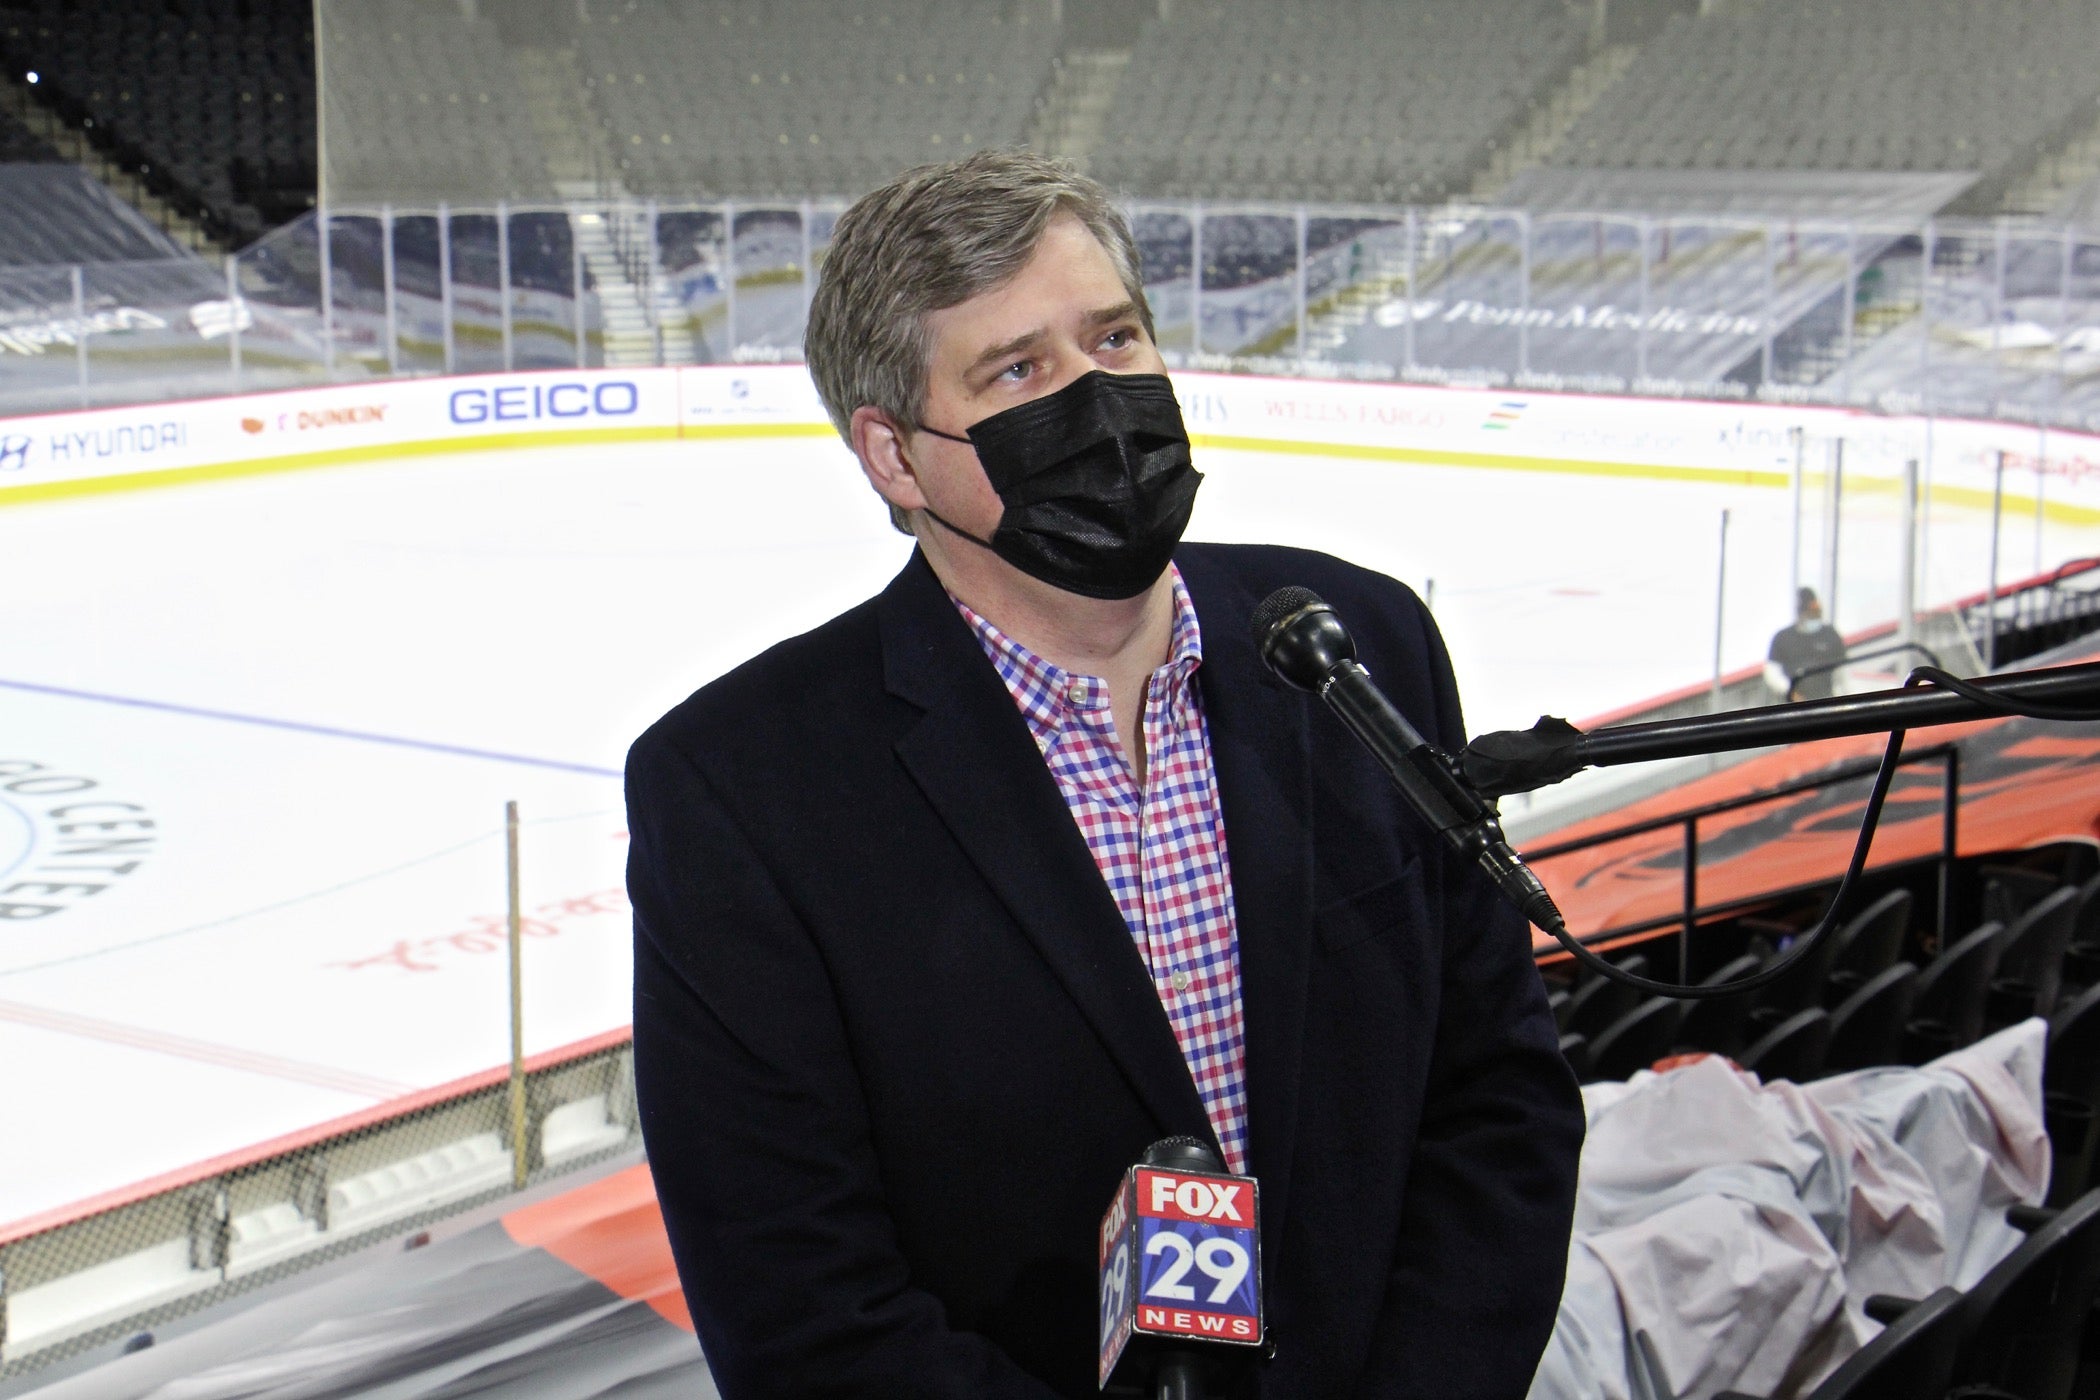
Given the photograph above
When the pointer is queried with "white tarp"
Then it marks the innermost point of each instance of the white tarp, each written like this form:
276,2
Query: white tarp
1728,1232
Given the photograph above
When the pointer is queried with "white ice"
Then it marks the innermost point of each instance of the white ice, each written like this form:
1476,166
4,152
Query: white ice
312,930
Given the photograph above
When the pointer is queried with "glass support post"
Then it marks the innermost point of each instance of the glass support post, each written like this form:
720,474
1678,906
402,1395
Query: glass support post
233,318
1300,288
1195,285
386,275
576,291
327,298
1523,294
1851,310
729,326
445,280
80,334
1414,297
503,278
1640,353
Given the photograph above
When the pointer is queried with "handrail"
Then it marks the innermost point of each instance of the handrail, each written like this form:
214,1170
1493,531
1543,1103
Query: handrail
1850,659
1691,912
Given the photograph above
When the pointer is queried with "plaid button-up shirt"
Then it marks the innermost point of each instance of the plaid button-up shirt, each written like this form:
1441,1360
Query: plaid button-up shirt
1160,848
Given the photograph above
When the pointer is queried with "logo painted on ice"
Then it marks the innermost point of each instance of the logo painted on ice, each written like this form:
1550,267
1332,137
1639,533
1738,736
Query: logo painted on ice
1504,415
14,452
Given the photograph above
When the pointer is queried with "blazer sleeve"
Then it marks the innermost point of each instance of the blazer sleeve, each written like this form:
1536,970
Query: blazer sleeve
757,1131
1476,1279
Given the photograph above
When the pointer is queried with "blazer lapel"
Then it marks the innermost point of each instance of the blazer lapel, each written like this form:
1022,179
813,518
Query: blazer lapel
973,757
1258,740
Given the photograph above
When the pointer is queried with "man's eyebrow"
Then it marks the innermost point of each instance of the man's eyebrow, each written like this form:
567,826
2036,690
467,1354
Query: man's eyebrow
1005,349
1118,312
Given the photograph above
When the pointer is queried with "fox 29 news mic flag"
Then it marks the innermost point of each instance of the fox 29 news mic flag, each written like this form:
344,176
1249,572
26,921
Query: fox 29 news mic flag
1180,1261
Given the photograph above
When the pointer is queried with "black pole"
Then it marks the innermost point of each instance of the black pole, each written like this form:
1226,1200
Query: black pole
1520,760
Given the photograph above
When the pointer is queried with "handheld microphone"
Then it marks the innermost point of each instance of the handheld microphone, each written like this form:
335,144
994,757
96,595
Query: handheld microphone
1306,645
1181,1266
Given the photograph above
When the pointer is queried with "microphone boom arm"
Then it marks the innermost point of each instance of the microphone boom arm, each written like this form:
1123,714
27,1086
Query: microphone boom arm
1520,760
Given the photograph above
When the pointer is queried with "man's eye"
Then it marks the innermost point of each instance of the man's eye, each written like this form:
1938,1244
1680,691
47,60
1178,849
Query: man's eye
1117,340
1017,371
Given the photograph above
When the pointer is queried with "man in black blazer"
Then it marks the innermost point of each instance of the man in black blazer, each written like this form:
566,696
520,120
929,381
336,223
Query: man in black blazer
895,1039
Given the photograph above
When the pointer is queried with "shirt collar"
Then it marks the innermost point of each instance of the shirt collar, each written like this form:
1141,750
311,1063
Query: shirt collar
1046,692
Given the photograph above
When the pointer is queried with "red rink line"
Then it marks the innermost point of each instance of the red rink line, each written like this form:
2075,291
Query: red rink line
203,1051
303,1138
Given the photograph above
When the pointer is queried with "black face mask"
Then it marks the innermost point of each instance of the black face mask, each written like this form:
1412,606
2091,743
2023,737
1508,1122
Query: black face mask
1095,480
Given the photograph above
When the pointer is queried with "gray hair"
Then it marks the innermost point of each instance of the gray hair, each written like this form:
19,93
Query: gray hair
930,239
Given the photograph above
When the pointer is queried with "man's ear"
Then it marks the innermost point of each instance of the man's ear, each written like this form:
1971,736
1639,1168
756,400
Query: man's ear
878,441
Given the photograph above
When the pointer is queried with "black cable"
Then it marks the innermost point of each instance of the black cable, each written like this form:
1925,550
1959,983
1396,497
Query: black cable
2027,709
1802,946
1869,822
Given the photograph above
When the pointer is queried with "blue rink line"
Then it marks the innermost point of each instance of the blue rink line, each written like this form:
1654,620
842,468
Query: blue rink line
300,727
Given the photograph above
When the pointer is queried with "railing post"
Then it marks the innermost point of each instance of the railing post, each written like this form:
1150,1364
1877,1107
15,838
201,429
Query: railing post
1990,595
1691,898
1720,609
1950,842
1793,583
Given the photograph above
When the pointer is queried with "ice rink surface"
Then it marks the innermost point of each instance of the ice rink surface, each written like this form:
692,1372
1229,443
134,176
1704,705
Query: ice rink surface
256,736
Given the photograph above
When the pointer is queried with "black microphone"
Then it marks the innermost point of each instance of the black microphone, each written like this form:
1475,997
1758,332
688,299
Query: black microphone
1180,1275
1306,645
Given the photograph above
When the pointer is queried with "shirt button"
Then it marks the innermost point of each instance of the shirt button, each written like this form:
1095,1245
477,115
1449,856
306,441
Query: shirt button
1182,981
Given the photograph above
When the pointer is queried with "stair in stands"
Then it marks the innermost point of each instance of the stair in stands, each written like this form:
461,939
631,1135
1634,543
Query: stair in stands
1587,82
22,101
614,244
1074,111
2070,167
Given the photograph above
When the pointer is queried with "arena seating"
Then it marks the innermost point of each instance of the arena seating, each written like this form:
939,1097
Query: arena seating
431,109
1330,99
731,98
53,214
211,102
19,145
1852,85
1879,992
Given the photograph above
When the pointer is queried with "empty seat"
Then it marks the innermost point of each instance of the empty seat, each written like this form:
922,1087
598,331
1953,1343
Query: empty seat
1716,1024
1793,1049
1870,941
2030,960
1909,1359
2027,1316
1636,1040
2071,1095
1601,1000
1868,1028
1801,987
1947,1012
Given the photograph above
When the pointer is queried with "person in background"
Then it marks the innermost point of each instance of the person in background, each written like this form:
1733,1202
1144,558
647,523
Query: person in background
1803,660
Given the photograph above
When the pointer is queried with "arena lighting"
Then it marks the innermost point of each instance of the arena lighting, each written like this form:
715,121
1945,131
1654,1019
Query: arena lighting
589,219
30,77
